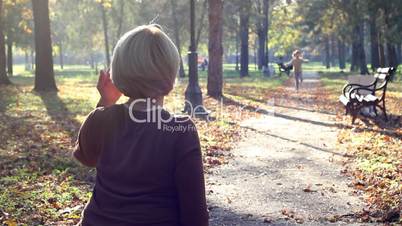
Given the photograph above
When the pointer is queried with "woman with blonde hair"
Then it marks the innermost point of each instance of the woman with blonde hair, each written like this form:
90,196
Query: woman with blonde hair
297,60
148,162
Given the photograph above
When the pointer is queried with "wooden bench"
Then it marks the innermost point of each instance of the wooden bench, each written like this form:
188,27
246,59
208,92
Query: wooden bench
356,97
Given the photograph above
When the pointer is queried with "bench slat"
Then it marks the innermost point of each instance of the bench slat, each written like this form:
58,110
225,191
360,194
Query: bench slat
384,70
381,76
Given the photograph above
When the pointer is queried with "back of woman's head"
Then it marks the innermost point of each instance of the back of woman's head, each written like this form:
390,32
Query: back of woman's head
145,63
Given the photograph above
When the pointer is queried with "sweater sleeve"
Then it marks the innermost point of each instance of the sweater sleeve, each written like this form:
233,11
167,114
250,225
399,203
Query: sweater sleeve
88,147
189,177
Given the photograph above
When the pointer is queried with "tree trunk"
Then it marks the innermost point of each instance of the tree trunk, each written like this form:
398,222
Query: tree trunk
44,74
261,49
266,29
361,52
353,63
27,65
3,74
341,55
237,51
262,32
105,33
333,51
260,36
61,56
255,55
91,61
10,56
244,29
358,53
215,49
120,19
391,53
182,73
327,53
375,60
32,60
399,53
202,19
383,60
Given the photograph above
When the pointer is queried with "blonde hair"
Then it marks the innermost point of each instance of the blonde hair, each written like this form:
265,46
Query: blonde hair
296,52
145,63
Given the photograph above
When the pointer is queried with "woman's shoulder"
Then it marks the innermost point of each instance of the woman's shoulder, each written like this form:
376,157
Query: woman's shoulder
104,113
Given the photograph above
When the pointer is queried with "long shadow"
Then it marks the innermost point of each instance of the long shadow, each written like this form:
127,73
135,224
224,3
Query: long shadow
284,106
230,101
291,140
304,109
59,113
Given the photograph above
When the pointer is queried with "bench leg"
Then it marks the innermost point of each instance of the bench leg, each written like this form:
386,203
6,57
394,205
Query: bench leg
353,112
385,114
384,110
375,111
353,119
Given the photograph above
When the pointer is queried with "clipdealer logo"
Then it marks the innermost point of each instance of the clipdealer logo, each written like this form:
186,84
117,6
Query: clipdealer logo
154,114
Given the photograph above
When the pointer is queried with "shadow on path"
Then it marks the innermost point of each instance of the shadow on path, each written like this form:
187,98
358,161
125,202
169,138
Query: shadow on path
292,140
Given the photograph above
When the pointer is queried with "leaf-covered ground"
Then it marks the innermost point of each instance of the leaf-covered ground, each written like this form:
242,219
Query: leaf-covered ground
40,184
375,147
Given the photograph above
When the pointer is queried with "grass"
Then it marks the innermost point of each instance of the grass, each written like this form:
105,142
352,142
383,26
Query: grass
40,184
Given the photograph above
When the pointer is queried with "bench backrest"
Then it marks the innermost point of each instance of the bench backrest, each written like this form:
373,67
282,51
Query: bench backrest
383,76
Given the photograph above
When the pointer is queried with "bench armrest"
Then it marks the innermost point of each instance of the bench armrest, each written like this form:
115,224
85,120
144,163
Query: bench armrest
348,87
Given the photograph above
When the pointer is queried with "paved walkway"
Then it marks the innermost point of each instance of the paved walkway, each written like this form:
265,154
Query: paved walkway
286,171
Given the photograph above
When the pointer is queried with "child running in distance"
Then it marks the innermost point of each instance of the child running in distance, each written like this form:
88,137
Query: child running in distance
297,61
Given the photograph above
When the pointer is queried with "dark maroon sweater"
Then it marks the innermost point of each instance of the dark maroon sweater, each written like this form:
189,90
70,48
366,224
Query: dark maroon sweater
148,173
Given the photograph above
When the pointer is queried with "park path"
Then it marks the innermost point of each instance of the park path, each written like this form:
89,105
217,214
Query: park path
286,171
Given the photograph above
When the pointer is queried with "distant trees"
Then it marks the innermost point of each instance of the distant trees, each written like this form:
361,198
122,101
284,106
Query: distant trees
352,23
340,31
44,74
215,49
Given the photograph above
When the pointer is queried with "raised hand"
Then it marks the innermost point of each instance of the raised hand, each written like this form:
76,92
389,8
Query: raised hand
108,91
